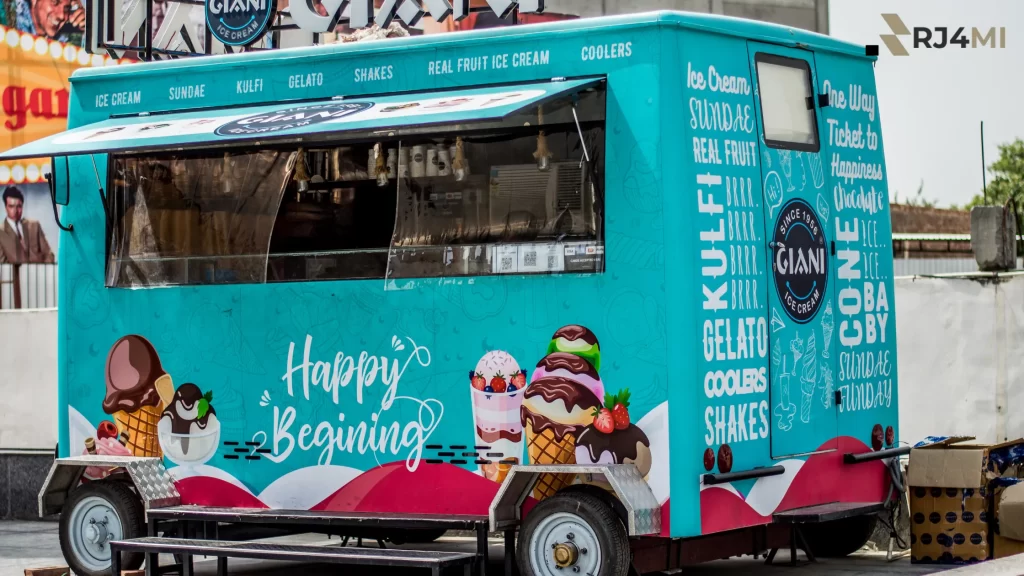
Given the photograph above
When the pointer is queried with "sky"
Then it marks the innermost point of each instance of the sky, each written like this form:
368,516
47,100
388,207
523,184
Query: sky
932,102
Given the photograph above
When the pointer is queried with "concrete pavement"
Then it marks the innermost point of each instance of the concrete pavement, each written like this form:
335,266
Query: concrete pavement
34,544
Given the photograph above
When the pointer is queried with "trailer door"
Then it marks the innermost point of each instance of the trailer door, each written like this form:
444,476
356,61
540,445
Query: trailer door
800,248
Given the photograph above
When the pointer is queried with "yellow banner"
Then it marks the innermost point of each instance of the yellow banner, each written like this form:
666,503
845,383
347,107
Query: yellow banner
34,91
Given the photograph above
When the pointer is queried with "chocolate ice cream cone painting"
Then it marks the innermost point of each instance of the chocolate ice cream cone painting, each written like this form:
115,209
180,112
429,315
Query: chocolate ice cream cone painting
137,389
555,411
614,439
577,340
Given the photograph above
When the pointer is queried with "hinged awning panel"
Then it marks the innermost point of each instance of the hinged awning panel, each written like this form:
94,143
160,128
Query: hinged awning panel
239,126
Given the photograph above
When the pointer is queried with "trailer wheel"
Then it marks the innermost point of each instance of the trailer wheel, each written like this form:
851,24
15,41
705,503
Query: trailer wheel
840,538
95,514
573,533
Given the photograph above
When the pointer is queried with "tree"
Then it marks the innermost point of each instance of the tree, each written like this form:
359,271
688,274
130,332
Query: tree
1007,176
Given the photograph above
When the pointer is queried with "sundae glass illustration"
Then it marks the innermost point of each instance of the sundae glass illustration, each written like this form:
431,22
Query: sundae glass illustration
803,170
189,430
786,161
497,386
785,409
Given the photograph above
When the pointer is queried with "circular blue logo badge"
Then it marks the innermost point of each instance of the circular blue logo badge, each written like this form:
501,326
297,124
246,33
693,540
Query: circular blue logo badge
799,260
290,118
238,22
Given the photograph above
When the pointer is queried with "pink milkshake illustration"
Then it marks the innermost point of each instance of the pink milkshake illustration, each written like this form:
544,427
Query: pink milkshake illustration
496,387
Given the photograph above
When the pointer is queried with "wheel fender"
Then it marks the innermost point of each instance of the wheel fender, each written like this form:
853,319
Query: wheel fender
632,496
607,497
149,477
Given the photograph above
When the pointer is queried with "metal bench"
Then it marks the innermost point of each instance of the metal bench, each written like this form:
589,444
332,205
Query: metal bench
206,522
815,515
437,562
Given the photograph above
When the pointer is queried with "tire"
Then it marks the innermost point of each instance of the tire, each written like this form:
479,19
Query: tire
115,507
415,536
839,538
587,523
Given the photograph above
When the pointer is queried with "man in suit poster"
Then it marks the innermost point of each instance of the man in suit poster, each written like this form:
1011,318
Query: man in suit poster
22,241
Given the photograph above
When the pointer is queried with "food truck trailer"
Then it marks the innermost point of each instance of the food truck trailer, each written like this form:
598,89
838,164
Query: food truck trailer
618,288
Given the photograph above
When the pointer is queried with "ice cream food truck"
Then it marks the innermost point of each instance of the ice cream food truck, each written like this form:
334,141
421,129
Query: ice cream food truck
618,289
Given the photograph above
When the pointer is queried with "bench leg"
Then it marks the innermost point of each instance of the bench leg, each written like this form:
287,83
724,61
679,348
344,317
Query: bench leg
115,562
152,564
510,552
186,565
803,544
222,566
482,548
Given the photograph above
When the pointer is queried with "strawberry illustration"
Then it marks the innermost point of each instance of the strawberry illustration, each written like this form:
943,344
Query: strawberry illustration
498,383
620,405
519,379
604,422
477,380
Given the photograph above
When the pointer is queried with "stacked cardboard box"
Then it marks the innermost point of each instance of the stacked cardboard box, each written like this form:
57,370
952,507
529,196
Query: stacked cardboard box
951,499
1008,519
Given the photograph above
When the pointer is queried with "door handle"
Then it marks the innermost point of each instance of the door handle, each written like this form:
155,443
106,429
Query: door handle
823,100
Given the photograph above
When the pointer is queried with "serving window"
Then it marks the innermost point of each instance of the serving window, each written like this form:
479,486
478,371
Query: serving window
787,103
523,195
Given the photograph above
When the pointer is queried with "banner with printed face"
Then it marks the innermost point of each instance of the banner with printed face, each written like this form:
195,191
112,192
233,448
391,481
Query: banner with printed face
34,87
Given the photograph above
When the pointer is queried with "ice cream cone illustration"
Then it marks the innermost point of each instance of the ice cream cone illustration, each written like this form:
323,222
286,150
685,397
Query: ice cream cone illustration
578,340
827,325
555,411
138,388
817,176
808,380
614,439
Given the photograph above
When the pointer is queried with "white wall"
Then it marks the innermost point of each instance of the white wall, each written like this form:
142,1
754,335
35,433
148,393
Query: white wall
28,379
961,351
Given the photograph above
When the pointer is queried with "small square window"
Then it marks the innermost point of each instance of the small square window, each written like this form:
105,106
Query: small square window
787,103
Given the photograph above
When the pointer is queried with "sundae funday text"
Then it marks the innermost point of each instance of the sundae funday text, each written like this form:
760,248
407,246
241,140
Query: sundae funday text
379,434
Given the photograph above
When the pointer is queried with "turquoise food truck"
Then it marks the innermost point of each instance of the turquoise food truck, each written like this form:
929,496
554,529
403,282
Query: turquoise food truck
620,289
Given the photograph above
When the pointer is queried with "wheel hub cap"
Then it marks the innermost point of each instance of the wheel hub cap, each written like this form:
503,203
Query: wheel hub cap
566,554
92,525
97,533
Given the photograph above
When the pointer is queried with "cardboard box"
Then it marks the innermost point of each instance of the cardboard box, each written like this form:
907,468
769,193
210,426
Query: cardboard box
948,525
1008,523
950,503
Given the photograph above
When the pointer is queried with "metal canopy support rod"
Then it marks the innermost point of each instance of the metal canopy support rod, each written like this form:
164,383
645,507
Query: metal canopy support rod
51,180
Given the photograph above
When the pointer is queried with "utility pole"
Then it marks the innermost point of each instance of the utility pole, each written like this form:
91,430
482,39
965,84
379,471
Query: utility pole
984,183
